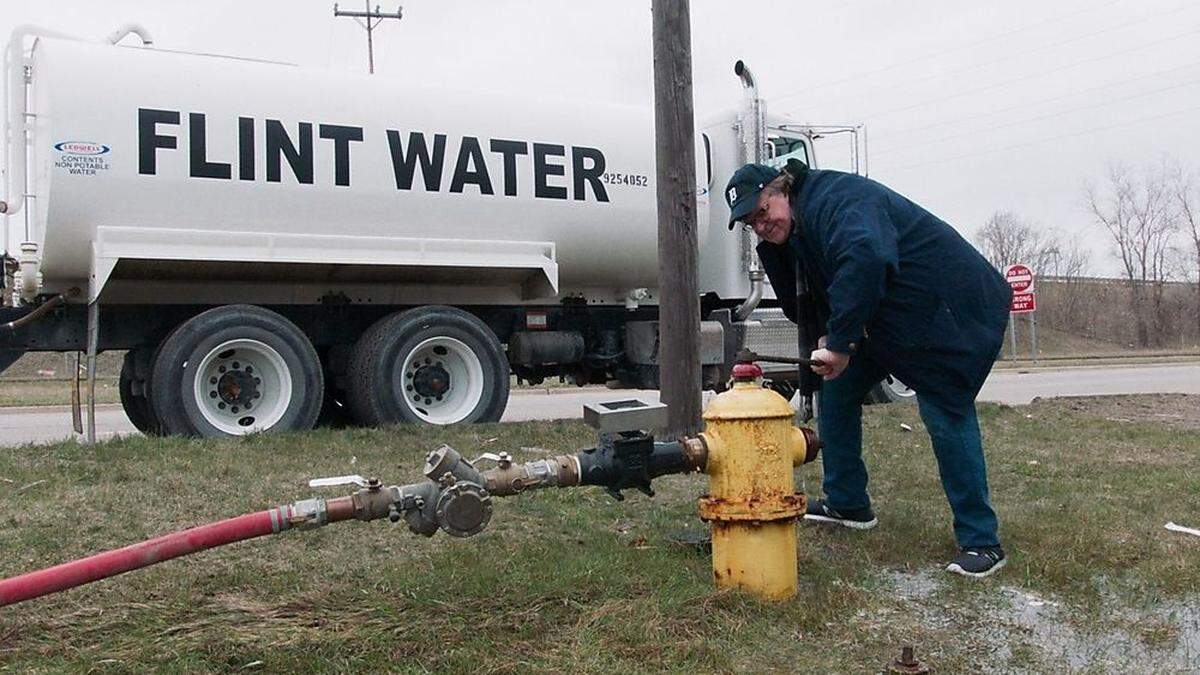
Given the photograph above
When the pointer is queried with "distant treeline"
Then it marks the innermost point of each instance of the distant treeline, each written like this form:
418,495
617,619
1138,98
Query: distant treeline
1102,309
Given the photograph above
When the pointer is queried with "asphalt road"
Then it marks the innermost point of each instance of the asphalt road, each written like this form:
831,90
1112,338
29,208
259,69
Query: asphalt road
42,425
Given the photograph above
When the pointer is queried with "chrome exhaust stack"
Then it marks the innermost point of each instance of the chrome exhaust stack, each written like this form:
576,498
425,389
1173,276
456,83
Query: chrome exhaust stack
752,135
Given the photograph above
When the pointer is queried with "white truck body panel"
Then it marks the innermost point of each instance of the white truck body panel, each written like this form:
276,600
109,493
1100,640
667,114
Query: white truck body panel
102,203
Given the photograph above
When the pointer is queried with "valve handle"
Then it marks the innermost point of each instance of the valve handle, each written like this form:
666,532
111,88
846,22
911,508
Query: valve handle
748,356
332,481
503,459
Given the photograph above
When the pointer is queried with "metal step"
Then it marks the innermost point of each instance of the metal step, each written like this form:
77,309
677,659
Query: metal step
769,332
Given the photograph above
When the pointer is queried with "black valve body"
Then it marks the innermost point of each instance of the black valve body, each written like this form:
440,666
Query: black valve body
630,459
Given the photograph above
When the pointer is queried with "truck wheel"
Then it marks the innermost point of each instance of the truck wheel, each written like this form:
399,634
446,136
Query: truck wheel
236,370
431,365
132,386
889,390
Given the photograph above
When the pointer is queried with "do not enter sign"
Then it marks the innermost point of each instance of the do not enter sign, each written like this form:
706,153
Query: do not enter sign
1020,277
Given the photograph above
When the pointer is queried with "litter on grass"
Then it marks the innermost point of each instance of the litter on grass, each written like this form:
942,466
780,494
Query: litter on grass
1179,528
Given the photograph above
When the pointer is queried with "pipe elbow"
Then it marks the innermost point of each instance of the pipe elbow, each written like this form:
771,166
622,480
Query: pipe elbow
743,311
743,72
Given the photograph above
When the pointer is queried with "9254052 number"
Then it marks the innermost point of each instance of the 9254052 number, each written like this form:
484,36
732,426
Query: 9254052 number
631,179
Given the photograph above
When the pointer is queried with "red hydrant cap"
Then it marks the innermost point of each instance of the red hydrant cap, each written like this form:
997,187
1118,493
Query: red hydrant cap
746,371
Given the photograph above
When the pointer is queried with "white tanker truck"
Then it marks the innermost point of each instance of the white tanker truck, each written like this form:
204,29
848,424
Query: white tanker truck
272,243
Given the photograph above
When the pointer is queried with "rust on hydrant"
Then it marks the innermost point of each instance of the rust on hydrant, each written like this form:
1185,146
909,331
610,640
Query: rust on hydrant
751,447
908,664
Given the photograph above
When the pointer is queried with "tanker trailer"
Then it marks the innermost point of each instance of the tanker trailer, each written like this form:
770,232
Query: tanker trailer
274,244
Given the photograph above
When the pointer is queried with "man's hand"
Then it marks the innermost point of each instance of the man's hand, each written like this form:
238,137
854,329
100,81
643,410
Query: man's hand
832,363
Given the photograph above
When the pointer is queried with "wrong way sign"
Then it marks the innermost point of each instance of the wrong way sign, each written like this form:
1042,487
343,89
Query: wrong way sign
1023,302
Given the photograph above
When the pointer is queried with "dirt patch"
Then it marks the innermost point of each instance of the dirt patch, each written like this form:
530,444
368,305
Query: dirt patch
1180,411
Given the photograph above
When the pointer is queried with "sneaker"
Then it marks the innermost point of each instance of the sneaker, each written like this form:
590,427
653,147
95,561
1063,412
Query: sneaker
859,519
977,561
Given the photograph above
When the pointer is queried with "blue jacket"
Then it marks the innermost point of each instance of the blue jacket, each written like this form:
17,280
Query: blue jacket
893,282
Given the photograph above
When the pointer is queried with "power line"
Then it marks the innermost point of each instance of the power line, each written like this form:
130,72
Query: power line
996,111
1039,141
1001,83
372,20
1009,56
944,52
1038,118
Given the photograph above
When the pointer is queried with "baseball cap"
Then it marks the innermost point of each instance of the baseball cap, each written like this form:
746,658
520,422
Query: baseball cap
741,194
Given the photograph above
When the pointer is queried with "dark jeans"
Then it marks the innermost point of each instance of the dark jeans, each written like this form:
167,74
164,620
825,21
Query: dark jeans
956,443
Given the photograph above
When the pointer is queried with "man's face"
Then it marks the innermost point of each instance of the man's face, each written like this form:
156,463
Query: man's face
772,220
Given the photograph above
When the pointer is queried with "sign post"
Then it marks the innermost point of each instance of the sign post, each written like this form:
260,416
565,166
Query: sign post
1024,301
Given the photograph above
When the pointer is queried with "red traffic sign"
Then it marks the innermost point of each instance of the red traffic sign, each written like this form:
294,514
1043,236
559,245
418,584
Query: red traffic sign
1023,303
1020,277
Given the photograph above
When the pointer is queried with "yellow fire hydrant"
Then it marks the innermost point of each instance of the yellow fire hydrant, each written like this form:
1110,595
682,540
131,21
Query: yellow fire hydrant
753,504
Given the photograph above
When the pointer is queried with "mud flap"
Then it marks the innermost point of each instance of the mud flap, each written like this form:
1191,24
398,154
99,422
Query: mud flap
9,357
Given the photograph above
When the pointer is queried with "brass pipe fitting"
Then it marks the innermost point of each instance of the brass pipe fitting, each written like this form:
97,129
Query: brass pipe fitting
508,478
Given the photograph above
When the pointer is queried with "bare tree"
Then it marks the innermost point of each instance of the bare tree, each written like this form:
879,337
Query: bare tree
1006,239
1138,213
1071,262
1184,191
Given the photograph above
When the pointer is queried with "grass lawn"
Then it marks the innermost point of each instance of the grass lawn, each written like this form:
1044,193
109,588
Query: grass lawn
568,580
53,392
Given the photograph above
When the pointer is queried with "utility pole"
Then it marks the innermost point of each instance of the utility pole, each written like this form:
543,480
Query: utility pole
373,17
679,302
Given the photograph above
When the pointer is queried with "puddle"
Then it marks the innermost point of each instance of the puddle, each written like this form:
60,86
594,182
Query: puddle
1166,638
1024,626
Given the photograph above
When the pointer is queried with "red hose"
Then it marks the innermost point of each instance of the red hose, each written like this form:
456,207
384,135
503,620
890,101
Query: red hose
144,554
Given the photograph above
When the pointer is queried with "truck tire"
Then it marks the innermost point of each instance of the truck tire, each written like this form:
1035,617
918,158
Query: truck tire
132,386
889,390
236,370
429,365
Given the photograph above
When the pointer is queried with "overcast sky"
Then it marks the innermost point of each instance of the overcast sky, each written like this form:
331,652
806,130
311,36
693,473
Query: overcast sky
971,107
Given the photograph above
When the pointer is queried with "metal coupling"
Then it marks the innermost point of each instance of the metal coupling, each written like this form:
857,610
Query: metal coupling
805,445
446,466
308,514
508,479
812,444
695,452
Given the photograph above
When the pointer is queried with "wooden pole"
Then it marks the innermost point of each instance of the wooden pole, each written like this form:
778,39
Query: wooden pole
679,301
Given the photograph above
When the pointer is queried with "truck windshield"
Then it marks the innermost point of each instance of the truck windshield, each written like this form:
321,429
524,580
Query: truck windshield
785,148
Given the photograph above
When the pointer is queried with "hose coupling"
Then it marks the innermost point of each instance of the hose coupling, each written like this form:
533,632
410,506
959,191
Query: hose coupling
307,514
508,479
